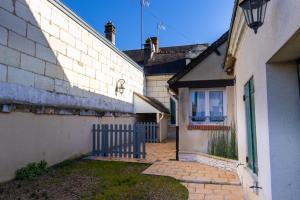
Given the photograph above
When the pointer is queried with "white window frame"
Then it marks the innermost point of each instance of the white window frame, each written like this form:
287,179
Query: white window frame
207,107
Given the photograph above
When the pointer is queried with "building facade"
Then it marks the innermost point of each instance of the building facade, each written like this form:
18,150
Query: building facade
268,101
58,76
205,100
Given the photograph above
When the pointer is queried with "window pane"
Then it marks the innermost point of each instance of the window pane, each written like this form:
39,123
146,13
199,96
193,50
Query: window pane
198,106
216,105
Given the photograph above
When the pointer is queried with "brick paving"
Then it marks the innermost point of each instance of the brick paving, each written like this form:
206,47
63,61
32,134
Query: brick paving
193,172
214,192
203,182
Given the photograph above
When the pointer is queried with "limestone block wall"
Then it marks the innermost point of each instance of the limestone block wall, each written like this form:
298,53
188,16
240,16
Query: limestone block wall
49,51
157,87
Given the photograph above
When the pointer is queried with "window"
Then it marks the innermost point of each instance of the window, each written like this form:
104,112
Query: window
207,106
251,126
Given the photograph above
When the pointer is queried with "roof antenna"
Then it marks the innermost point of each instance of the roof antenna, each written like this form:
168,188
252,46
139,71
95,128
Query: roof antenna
160,26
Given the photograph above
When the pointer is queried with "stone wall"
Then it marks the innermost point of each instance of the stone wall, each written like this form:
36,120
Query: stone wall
157,87
47,50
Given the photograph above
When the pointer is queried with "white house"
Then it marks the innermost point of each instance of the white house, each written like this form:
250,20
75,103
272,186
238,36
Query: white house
268,100
205,100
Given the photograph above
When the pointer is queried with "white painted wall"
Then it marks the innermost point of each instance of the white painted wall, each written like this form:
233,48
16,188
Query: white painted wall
210,68
197,140
27,137
274,95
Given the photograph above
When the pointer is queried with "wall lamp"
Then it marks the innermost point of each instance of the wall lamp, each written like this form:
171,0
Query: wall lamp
254,11
120,87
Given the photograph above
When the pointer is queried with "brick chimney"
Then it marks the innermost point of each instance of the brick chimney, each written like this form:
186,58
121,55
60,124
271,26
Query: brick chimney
110,32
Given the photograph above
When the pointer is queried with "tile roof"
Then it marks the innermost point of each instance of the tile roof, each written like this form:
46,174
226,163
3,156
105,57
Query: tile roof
169,60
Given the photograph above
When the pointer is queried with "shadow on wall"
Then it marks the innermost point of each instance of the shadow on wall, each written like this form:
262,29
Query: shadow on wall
49,59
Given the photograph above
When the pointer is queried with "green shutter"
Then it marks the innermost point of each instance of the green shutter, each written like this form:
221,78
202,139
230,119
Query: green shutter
251,127
173,111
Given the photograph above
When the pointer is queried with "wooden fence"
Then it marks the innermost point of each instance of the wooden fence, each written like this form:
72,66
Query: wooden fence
119,140
151,131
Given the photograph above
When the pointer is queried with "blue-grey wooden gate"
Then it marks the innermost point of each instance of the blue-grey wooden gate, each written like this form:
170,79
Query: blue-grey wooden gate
151,132
119,140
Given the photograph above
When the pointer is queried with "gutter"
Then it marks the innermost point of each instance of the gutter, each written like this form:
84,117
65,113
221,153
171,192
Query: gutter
230,30
58,4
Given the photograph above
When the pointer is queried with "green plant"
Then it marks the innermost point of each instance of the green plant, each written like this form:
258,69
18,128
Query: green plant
31,171
223,143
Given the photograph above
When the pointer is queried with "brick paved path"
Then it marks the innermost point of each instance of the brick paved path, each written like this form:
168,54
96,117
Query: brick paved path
193,172
203,182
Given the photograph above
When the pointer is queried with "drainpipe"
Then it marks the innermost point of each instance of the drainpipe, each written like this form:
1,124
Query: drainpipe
160,127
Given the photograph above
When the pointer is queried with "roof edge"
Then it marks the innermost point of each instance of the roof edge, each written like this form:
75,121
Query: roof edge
236,3
162,109
199,58
62,7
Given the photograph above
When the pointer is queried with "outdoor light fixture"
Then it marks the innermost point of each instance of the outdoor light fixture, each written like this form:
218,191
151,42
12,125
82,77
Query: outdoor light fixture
254,11
120,86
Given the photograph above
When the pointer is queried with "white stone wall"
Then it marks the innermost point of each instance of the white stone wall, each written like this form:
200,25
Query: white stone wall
157,87
45,46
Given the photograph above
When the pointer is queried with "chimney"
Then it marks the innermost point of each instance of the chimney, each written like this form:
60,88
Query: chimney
110,32
155,42
148,50
150,47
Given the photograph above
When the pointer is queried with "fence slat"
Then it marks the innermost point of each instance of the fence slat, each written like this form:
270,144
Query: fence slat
111,137
94,140
130,136
126,141
116,140
98,140
121,140
143,134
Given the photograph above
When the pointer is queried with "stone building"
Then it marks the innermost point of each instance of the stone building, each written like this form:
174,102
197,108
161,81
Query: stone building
160,64
58,76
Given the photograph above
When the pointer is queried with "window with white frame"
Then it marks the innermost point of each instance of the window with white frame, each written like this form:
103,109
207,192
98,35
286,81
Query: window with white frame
208,105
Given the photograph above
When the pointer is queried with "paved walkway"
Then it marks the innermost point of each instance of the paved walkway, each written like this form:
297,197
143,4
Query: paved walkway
203,182
192,172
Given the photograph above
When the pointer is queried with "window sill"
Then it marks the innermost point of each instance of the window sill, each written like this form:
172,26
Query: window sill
208,127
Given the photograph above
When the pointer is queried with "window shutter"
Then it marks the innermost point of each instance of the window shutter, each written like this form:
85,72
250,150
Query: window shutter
251,127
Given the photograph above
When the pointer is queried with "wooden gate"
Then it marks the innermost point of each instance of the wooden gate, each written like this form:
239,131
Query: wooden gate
119,140
151,132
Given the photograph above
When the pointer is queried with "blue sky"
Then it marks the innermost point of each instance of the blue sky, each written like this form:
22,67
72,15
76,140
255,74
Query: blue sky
186,21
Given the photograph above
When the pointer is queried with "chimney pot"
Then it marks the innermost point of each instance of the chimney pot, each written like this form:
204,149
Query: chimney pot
110,32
